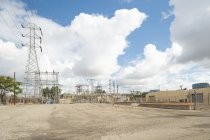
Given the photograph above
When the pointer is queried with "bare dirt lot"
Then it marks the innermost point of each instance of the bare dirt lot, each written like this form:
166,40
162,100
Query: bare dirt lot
101,122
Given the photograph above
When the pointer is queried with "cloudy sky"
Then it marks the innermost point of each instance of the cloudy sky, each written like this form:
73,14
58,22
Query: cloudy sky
139,44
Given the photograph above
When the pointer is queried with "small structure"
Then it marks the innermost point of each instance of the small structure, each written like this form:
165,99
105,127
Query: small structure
98,89
80,88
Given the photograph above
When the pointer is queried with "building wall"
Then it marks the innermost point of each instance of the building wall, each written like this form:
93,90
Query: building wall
168,96
203,96
205,93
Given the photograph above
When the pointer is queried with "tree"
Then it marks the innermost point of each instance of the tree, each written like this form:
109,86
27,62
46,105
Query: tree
7,85
46,92
51,92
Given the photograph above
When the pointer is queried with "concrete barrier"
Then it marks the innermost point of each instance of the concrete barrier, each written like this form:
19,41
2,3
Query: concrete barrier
179,106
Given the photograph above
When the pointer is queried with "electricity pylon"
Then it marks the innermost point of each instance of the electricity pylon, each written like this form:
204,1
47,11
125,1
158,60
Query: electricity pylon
91,81
32,79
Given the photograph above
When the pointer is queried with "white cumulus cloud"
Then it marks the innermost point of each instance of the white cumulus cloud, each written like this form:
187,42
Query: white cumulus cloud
153,68
191,29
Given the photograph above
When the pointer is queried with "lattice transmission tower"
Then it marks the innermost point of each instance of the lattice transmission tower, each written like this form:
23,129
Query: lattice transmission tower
91,81
32,79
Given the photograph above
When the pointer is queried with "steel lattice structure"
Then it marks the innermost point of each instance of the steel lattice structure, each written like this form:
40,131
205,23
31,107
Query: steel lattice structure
50,79
32,79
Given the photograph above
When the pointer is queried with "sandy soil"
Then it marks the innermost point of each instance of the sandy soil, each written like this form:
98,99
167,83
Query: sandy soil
101,122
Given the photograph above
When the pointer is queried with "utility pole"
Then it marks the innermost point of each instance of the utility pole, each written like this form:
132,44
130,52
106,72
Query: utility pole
113,84
57,87
195,100
32,80
117,93
181,87
114,95
110,86
14,88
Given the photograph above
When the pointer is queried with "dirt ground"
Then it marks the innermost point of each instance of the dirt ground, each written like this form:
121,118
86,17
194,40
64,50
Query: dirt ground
101,122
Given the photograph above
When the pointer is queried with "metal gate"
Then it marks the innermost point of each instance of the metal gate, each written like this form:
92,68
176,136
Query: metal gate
198,98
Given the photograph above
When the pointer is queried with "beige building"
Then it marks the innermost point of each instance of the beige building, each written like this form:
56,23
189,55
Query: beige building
168,96
200,97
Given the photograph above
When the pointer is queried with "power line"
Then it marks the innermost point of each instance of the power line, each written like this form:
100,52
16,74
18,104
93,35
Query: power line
10,25
11,17
34,17
9,29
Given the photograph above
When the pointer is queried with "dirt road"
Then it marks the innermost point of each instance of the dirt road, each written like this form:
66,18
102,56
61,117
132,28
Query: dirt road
101,122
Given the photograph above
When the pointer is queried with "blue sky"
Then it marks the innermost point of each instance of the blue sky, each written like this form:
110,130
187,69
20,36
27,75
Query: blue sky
155,29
